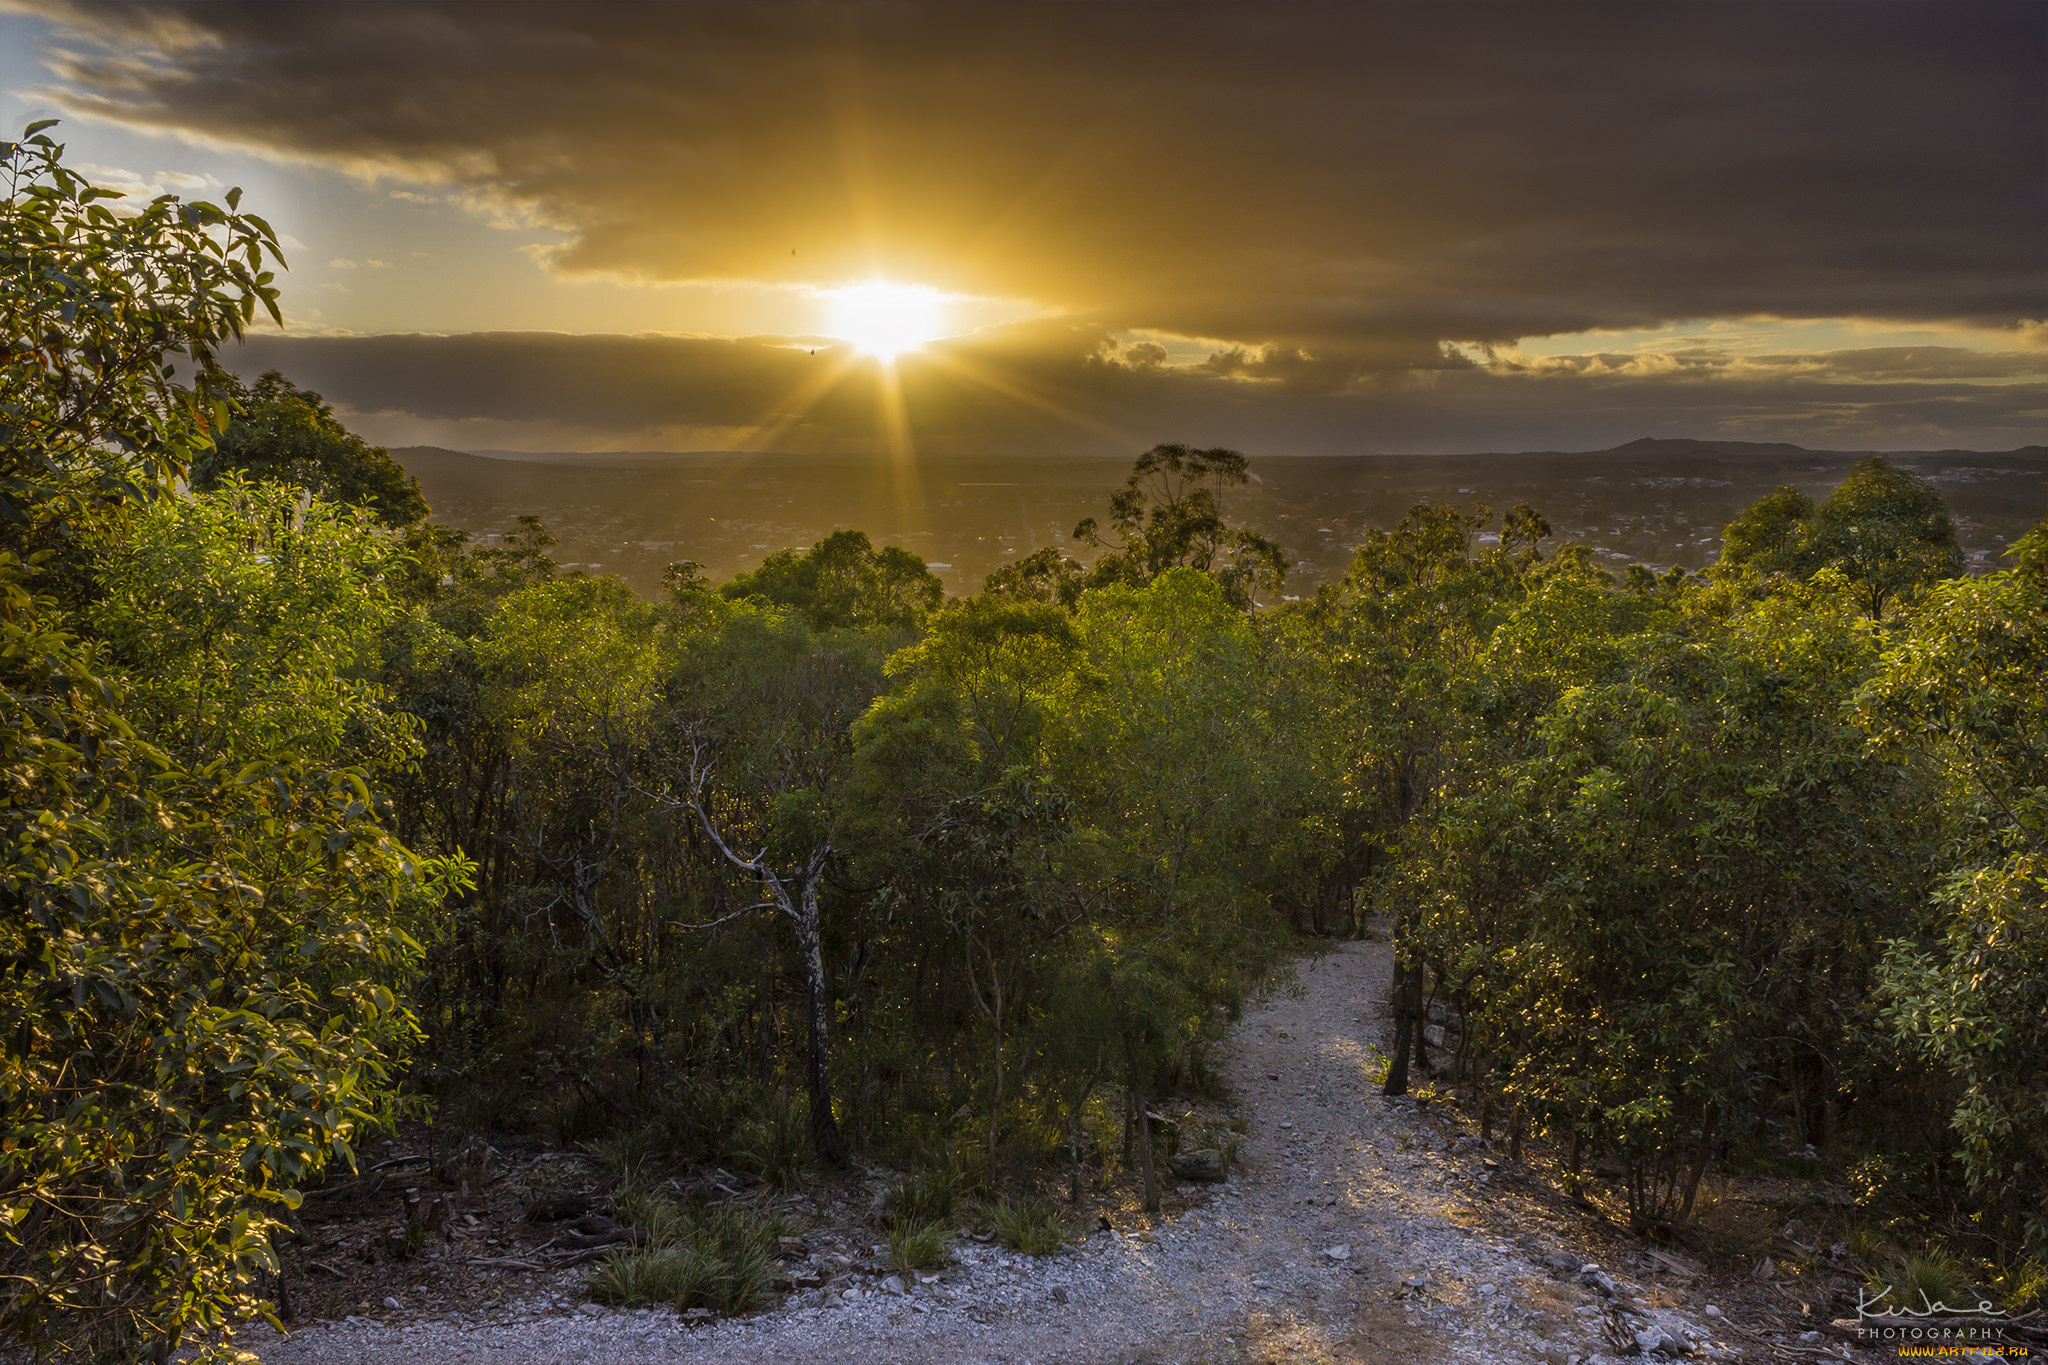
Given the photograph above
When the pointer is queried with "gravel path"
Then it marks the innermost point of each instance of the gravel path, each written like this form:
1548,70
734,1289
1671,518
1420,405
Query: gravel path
1348,1233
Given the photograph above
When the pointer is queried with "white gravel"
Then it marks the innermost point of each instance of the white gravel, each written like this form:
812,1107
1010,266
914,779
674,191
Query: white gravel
1339,1197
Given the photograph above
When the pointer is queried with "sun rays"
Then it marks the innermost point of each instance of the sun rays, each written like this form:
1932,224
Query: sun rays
884,319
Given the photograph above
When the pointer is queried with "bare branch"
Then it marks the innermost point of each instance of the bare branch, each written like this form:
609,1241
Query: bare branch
714,923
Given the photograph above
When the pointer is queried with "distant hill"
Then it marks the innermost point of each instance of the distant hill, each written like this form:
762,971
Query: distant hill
1658,501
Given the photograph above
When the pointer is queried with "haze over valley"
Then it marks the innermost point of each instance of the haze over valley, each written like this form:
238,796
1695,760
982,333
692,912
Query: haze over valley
1653,502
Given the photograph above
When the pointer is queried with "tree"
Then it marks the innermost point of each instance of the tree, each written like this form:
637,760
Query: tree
200,1005
1169,514
1044,575
250,625
1771,534
750,747
1966,690
1401,634
203,950
281,432
94,307
844,583
1886,530
950,805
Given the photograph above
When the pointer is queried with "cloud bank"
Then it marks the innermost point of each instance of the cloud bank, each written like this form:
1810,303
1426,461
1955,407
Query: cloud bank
1074,389
1355,184
1371,211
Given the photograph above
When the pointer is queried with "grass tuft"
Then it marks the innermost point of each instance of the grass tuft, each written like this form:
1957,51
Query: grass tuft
1928,1279
1032,1226
922,1197
919,1247
775,1144
721,1259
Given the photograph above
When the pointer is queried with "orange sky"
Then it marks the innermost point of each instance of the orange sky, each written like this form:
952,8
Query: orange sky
1296,228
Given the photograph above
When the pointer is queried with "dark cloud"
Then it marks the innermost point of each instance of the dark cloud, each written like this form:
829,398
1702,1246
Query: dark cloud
1072,389
1339,189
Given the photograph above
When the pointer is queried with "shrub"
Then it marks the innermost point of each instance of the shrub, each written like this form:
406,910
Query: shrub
1032,1226
775,1144
1929,1278
642,1276
922,1197
691,1259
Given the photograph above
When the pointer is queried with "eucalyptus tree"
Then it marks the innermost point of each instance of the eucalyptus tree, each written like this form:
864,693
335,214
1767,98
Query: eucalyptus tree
1656,903
280,432
953,810
1169,514
569,668
844,583
1966,692
1400,633
249,622
97,306
749,746
1886,530
208,935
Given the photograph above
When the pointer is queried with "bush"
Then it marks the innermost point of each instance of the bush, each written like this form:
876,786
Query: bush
1032,1226
1930,1278
921,1246
775,1144
922,1197
691,1259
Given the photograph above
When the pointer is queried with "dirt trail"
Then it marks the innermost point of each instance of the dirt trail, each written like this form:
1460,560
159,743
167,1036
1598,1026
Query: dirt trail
1341,1196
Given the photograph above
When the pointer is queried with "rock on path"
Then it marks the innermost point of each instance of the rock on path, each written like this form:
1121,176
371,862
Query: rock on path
1345,1235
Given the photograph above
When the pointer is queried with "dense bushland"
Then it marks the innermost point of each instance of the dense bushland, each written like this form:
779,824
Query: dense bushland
317,815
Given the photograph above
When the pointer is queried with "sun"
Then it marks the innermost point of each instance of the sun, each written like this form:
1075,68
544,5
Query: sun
884,319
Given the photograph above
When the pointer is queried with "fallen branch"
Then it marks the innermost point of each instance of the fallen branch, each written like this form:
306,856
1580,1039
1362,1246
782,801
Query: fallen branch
344,1187
502,1263
399,1161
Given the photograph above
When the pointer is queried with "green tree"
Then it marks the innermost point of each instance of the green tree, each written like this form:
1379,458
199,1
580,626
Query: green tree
844,583
1886,530
1655,890
951,807
203,948
281,432
1771,535
1169,514
1044,575
1966,690
249,625
750,748
200,1005
95,305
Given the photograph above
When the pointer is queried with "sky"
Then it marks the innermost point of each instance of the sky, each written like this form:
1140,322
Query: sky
1076,228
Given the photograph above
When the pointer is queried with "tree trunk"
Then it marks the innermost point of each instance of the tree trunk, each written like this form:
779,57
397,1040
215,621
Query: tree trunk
1699,1161
1074,1155
991,1006
1419,1000
1404,1028
1145,1155
818,1005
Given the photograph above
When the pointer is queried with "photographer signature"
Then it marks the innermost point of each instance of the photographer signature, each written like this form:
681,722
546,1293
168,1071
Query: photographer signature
1873,1306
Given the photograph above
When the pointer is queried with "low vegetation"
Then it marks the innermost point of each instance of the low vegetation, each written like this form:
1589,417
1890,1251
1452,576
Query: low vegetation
1035,1227
919,1246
